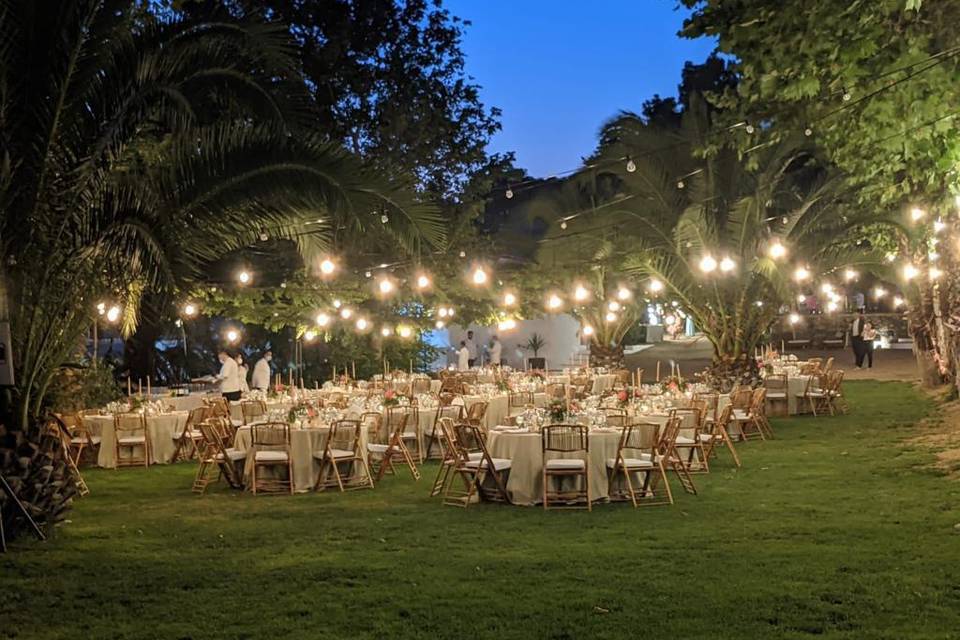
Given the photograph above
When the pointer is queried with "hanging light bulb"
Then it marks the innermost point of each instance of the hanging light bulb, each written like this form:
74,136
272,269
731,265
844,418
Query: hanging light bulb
613,305
362,324
801,298
917,214
554,302
801,274
655,286
384,218
794,318
479,276
233,335
631,166
777,250
879,292
749,128
587,330
190,309
610,317
827,288
336,304
897,302
507,324
442,312
849,274
101,308
938,225
423,281
345,313
832,306
580,293
808,132
244,277
463,254
327,267
385,286
309,335
909,272
680,184
708,264
934,273
563,225
322,319
113,314
386,330
727,264
439,324
509,299
404,331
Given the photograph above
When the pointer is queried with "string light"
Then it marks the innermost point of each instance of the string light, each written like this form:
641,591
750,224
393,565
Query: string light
849,274
309,335
362,324
479,276
404,331
386,330
327,267
384,218
322,319
777,250
909,272
336,304
708,264
563,225
879,292
613,305
624,294
794,318
113,314
580,293
897,302
509,299
509,194
631,166
801,298
917,214
233,335
934,273
439,324
554,301
244,277
832,306
101,308
587,330
655,286
190,309
827,288
507,324
423,281
801,274
611,316
727,264
386,286
938,225
345,313
463,254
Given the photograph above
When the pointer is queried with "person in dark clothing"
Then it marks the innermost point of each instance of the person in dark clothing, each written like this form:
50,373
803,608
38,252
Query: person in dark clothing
856,338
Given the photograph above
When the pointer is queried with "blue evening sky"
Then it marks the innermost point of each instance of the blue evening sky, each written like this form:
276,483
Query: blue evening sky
559,68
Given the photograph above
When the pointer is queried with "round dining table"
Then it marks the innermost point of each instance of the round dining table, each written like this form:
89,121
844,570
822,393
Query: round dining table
162,429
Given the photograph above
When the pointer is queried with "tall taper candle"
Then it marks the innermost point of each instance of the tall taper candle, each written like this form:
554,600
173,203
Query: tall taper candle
658,371
139,386
129,387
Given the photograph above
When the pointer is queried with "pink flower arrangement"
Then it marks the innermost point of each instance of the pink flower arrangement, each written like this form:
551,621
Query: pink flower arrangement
390,397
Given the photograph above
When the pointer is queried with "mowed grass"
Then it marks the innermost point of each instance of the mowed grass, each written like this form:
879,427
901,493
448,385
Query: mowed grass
836,528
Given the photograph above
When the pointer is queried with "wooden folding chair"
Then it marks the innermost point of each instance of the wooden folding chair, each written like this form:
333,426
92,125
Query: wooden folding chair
616,417
814,395
58,428
373,422
777,390
689,449
82,440
566,440
667,449
130,434
444,430
746,423
271,443
252,410
454,413
190,438
835,392
519,401
342,449
638,453
476,414
473,464
411,432
394,448
718,435
214,454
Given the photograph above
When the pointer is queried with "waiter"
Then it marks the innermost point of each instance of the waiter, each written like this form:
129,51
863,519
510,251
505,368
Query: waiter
229,376
495,351
856,338
471,348
261,372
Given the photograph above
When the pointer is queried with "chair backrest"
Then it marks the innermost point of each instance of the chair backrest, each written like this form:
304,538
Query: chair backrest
270,434
452,411
564,438
398,426
468,439
828,365
556,390
713,402
723,419
213,438
741,398
695,413
448,439
638,438
759,403
345,434
420,385
616,417
252,409
219,407
775,382
477,411
130,423
409,414
520,399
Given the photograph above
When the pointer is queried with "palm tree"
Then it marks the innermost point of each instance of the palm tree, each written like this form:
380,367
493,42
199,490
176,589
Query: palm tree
133,151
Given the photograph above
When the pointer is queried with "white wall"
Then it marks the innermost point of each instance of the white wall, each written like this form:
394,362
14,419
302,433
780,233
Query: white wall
560,332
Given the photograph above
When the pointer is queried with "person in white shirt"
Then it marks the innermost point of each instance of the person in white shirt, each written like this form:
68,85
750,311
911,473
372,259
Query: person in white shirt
261,372
495,350
471,348
229,377
242,373
463,357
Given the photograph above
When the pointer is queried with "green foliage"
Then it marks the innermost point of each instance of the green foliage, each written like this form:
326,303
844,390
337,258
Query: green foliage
76,388
535,343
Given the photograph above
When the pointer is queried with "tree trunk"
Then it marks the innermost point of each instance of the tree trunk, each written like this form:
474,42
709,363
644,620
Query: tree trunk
602,355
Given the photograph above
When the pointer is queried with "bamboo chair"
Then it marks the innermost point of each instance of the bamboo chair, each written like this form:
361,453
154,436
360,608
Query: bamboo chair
448,452
271,443
252,410
394,448
373,421
454,413
718,436
814,396
667,449
476,414
712,401
748,422
82,439
565,440
777,390
215,454
556,391
616,417
828,365
689,449
343,448
58,428
518,401
638,452
130,434
420,386
190,436
474,465
835,392
411,432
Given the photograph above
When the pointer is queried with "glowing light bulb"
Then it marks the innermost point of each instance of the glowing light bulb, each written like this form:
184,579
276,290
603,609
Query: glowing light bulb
801,274
385,285
190,310
587,330
384,218
909,272
322,319
613,305
727,264
631,166
442,312
708,264
439,324
611,316
934,273
801,298
827,288
879,292
554,302
327,267
386,330
509,299
832,306
849,274
101,308
232,335
917,214
423,281
509,193
404,331
361,324
507,324
656,286
309,335
777,250
938,225
244,277
336,304
345,313
450,312
794,318
897,302
580,293
113,314
479,276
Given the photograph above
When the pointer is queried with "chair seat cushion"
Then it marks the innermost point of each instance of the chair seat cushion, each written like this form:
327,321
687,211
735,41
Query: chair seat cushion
776,395
632,463
81,440
686,440
706,437
340,453
564,464
499,464
191,434
271,456
409,435
739,414
475,455
236,423
232,454
373,447
130,440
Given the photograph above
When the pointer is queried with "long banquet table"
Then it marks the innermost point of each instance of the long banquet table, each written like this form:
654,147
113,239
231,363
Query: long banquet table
161,429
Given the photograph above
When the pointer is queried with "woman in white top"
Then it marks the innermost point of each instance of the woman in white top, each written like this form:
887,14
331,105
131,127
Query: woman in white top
463,357
242,372
495,350
228,377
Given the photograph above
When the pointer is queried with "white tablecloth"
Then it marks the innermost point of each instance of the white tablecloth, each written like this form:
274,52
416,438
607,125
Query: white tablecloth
303,444
161,429
498,407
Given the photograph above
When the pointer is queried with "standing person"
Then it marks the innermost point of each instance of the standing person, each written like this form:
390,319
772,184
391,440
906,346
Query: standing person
242,371
495,350
471,348
463,356
856,337
261,372
228,377
869,335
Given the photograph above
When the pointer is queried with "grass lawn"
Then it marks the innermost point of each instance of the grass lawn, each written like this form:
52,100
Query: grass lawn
836,528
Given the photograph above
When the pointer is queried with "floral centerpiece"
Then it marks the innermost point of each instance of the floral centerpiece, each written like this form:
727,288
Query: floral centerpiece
623,397
301,411
674,384
557,410
276,391
390,398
